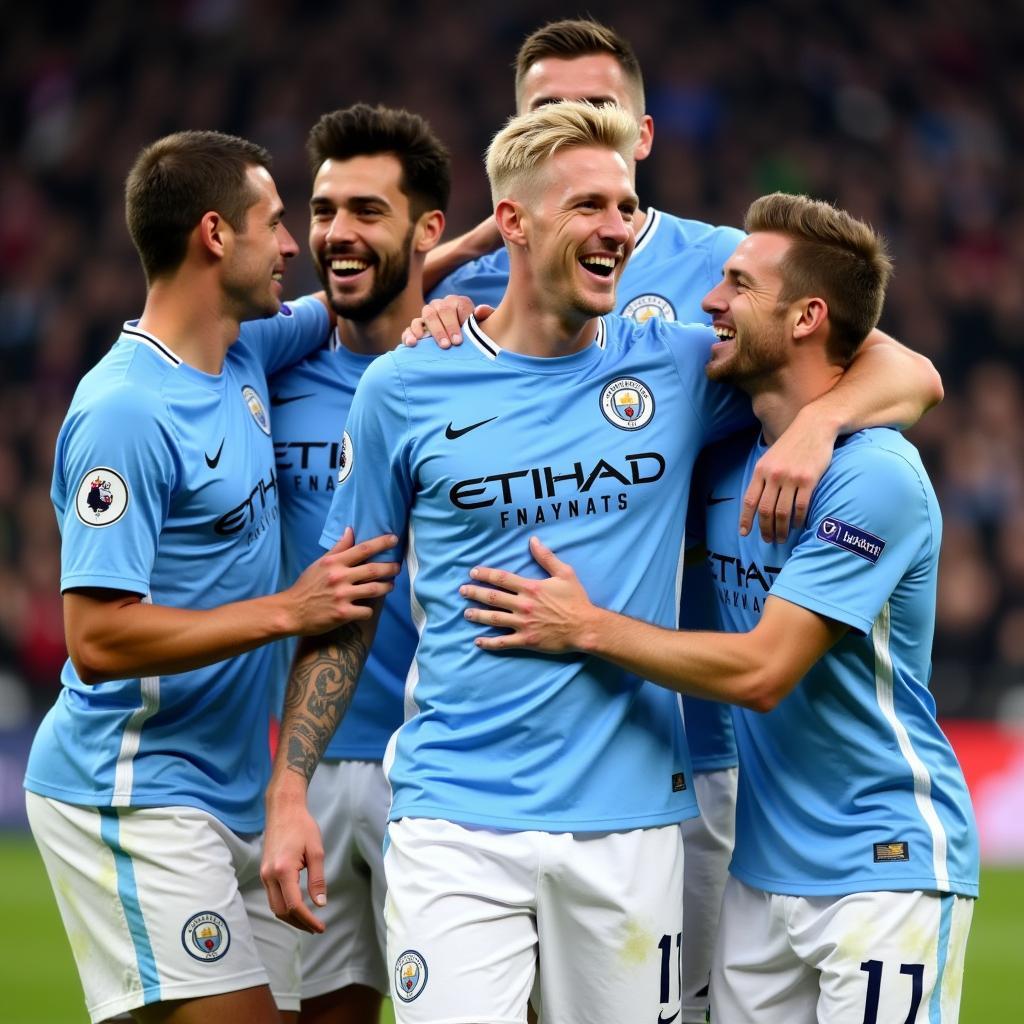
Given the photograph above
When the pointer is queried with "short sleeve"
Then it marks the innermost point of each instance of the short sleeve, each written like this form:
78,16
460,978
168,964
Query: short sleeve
297,331
870,520
374,492
117,466
721,408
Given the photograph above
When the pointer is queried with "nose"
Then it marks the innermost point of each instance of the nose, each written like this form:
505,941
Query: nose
286,244
615,228
340,229
714,301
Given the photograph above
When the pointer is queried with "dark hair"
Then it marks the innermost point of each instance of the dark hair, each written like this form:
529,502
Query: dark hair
176,180
362,130
579,37
833,255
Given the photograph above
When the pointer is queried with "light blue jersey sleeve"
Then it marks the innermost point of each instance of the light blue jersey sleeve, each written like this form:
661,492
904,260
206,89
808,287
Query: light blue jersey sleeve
722,244
870,519
297,331
484,280
117,466
374,484
721,408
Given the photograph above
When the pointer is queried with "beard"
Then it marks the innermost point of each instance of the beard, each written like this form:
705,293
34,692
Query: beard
390,278
755,354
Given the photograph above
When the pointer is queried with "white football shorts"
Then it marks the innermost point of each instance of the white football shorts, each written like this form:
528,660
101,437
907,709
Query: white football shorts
350,801
707,844
161,903
866,958
473,914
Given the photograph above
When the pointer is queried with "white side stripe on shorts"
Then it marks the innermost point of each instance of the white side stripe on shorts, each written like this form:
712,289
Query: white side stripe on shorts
922,780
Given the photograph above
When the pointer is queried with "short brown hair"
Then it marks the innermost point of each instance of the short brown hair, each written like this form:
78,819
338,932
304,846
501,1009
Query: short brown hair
833,255
579,37
177,179
362,130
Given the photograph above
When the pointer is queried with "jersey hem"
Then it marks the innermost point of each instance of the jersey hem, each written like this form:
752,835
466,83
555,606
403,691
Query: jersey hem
243,826
133,585
713,764
459,817
909,883
376,755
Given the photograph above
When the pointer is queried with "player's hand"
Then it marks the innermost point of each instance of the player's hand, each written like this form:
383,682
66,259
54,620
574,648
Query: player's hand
543,615
329,593
292,842
443,318
784,479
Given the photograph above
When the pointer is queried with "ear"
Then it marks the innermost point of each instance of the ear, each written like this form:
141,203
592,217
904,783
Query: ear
809,315
212,232
429,229
643,147
510,216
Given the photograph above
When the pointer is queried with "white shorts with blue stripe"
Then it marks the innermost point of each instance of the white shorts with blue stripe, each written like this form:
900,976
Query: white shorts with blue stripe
161,903
865,958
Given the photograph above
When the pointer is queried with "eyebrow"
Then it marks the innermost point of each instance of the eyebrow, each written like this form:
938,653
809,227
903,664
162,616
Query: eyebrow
597,101
319,200
740,276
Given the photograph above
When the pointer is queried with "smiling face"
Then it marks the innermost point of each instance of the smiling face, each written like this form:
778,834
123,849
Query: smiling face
597,78
578,223
254,267
360,233
752,328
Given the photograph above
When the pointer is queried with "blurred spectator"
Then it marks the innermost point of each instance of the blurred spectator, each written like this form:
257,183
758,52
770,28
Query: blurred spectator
910,114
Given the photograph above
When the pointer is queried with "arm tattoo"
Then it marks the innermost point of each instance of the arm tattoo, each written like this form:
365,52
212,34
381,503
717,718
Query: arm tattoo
319,692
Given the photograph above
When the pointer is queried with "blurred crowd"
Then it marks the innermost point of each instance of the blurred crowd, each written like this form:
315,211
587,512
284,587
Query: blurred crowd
909,114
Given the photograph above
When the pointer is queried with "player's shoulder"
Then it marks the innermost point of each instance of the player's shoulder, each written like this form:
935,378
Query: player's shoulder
129,379
484,268
686,233
880,461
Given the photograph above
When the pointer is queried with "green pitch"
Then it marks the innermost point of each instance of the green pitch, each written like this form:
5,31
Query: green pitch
38,983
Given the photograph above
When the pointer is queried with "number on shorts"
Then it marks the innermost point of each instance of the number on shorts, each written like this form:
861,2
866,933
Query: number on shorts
874,971
665,945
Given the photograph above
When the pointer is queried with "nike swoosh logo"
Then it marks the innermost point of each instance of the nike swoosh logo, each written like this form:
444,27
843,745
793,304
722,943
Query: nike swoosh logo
283,400
712,500
212,463
667,1020
451,433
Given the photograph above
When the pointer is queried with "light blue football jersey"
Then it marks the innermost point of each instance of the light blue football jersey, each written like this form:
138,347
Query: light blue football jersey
310,403
465,454
847,785
164,485
676,262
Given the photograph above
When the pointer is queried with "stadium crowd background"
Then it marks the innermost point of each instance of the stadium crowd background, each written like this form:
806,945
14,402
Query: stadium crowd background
909,114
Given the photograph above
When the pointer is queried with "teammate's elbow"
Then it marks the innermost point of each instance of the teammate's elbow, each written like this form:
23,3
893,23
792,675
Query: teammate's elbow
89,662
763,689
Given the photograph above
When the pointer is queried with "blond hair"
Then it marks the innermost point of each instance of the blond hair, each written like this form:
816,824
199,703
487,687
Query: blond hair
528,141
833,255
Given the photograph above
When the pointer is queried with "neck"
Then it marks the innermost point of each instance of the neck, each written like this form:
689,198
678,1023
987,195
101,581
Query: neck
382,333
778,398
187,313
526,322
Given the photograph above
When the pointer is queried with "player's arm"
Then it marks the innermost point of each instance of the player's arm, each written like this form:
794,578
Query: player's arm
113,634
755,669
319,691
886,385
447,257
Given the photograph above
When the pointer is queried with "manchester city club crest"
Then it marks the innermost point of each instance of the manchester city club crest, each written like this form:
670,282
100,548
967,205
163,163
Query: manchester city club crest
206,936
410,975
102,497
643,307
257,408
627,403
345,458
